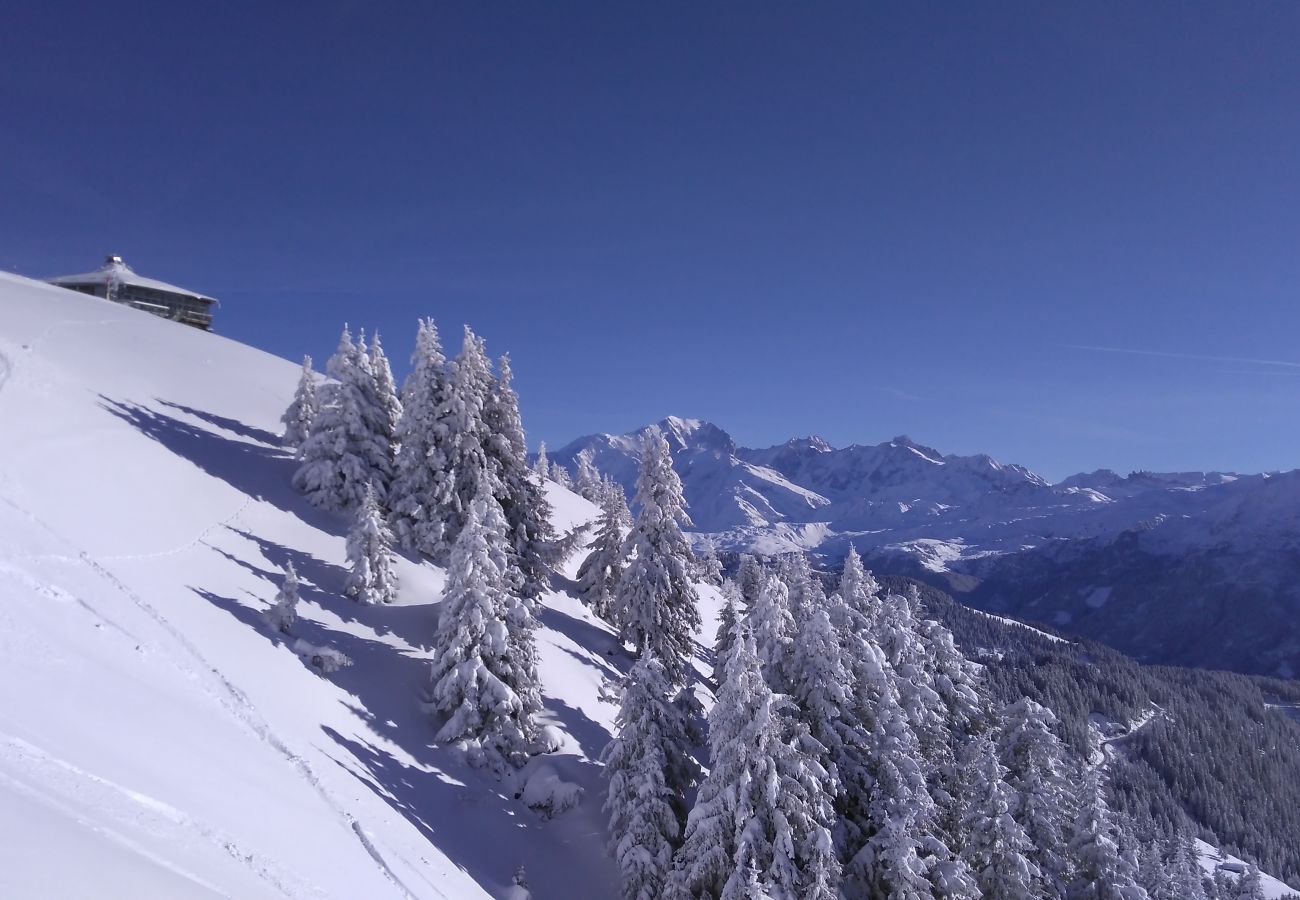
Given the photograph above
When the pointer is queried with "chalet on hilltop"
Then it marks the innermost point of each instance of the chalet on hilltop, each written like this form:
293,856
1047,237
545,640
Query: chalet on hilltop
117,281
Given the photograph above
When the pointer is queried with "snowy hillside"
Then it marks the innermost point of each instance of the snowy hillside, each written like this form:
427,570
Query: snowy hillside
153,730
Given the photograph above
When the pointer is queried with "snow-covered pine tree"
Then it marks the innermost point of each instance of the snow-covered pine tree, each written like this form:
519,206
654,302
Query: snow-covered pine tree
542,465
284,610
1038,774
648,770
345,449
523,498
586,483
759,827
774,631
726,633
1250,886
475,676
708,568
378,414
860,592
804,592
992,842
890,853
655,603
600,572
411,495
298,417
750,577
1101,871
560,476
386,399
372,578
1186,880
459,465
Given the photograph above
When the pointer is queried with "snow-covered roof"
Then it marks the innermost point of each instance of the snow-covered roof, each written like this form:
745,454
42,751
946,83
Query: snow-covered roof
114,268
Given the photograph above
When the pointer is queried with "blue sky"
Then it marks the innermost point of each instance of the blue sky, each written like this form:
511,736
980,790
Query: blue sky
1064,234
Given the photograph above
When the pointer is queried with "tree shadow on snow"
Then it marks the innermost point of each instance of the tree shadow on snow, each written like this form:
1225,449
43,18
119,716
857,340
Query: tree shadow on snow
470,816
260,471
234,426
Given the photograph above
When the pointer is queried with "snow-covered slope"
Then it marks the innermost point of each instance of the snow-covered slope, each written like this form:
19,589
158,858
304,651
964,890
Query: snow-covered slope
156,740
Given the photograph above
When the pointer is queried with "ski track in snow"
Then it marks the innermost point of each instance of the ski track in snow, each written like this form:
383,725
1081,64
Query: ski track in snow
227,695
47,774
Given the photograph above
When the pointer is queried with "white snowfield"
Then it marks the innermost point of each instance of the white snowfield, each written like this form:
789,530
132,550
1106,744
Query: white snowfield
156,739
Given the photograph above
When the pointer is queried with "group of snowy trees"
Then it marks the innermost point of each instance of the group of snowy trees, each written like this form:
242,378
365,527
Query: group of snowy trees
440,470
853,752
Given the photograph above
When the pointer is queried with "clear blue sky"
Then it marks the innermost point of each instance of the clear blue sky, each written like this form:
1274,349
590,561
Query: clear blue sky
855,219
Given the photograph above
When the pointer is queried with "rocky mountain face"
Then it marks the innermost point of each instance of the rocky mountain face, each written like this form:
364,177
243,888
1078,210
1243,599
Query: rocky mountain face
1191,568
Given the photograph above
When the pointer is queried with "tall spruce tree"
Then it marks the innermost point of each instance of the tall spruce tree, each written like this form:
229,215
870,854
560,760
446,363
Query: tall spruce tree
372,578
759,826
601,571
523,499
298,417
542,465
477,679
648,768
655,603
1101,870
726,633
1038,774
283,613
992,842
388,405
411,497
774,632
459,464
346,449
587,481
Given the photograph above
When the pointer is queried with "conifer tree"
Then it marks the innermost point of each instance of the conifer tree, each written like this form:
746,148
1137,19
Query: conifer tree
373,567
1186,879
388,405
459,465
601,571
860,592
411,496
346,448
1250,886
708,568
723,639
586,483
476,676
298,417
283,613
994,845
648,770
759,826
560,476
1101,871
750,577
774,631
523,499
655,602
542,465
1038,775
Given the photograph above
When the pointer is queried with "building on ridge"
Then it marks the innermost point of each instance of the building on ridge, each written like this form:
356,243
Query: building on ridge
117,281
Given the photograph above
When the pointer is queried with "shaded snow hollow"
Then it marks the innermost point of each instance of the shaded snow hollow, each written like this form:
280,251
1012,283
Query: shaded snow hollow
152,730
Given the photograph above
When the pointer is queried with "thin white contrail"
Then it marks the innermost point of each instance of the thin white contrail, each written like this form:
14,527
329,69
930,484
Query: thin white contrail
1191,356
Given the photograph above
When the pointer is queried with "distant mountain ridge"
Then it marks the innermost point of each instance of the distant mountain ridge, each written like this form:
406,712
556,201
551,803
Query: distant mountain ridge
1195,567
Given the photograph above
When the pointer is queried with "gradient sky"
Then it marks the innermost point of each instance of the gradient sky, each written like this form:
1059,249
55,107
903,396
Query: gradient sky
1064,234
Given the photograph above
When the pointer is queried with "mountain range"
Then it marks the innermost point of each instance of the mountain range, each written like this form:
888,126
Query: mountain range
1193,568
